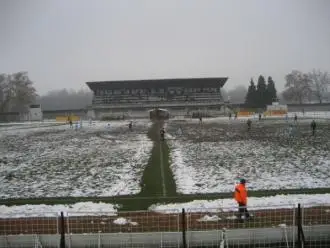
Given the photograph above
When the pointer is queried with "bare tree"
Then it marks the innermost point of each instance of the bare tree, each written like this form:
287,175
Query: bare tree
4,99
16,92
298,87
320,83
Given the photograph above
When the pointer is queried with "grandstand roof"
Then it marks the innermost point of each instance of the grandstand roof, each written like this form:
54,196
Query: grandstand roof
159,83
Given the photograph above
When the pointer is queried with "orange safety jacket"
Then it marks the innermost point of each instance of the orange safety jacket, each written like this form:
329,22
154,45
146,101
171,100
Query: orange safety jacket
241,194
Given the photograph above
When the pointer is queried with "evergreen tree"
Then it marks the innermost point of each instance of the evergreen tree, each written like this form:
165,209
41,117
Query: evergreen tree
261,94
250,99
271,91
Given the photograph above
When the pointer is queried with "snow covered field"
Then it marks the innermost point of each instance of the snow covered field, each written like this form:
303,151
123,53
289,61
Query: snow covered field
49,161
208,158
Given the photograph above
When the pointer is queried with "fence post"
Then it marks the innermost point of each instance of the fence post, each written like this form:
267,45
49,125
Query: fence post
184,241
301,236
62,243
298,223
293,226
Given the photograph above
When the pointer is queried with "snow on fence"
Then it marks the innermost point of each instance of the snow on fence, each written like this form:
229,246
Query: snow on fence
186,228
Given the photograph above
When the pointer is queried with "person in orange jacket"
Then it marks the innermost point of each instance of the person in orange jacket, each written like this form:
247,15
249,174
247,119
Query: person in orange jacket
241,199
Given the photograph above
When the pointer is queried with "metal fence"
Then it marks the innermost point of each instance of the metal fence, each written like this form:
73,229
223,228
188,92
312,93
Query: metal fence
283,226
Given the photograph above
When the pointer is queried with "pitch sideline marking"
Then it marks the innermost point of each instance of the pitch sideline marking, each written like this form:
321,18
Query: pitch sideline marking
162,168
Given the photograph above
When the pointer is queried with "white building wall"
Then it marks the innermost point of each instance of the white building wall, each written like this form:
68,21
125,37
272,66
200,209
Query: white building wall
35,114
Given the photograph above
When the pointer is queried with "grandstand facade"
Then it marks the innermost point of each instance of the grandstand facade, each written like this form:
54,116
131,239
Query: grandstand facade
165,93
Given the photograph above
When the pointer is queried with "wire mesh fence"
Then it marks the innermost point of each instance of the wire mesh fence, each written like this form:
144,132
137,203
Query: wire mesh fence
137,221
218,227
226,228
30,225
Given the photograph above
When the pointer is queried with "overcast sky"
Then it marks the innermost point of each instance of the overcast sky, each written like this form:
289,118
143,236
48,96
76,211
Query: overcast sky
64,43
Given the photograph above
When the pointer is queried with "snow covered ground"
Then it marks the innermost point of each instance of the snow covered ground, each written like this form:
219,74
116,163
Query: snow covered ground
254,203
90,208
314,114
51,161
77,209
208,158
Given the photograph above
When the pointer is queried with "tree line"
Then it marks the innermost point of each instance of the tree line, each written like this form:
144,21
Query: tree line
262,94
299,88
305,87
65,99
17,92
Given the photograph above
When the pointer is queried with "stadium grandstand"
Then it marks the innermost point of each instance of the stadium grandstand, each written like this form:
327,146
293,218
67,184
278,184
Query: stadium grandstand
139,95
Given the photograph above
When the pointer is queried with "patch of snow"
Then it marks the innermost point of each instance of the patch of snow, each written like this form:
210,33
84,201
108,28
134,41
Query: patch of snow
123,221
254,203
77,209
206,218
232,217
282,225
120,221
183,175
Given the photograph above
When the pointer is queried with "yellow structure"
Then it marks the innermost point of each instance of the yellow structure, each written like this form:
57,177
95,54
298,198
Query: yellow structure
244,113
275,113
66,118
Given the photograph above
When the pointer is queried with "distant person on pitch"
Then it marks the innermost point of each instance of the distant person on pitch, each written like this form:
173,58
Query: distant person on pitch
162,134
249,123
70,121
241,199
295,118
313,127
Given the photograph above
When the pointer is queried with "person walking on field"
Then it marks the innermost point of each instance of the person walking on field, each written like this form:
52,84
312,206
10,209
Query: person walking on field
295,118
70,121
162,134
313,126
241,199
249,123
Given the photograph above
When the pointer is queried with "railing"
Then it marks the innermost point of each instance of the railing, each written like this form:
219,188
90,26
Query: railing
284,226
311,115
158,104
